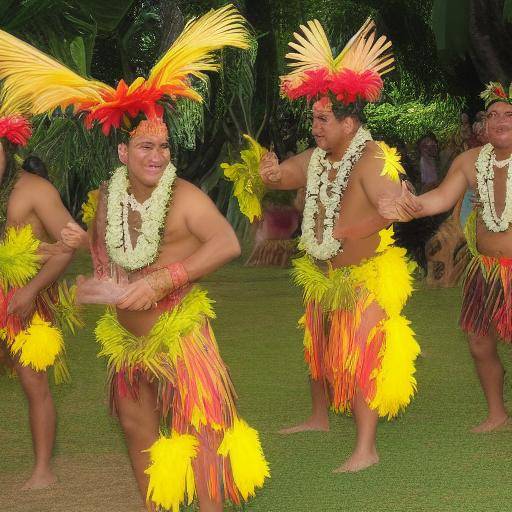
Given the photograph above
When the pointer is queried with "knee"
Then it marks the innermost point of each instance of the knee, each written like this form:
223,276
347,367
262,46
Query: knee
35,384
481,347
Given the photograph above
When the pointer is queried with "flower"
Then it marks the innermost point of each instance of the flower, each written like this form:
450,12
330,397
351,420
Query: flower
15,129
318,186
153,214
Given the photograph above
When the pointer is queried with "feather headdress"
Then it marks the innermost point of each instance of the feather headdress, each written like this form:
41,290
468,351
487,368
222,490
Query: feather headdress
494,92
34,83
355,74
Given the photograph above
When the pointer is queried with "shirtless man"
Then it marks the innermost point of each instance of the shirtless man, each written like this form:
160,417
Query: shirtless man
34,201
154,234
196,240
487,303
344,177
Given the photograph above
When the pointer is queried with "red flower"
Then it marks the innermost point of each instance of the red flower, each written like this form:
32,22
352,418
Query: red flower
348,86
315,82
498,91
15,129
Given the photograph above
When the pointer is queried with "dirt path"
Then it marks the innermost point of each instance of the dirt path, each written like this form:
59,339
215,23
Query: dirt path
86,484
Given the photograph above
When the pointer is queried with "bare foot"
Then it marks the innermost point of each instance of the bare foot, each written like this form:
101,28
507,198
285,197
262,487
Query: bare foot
491,425
310,425
40,480
357,462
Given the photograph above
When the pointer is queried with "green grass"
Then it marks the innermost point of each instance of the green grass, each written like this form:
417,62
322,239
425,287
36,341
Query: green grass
429,461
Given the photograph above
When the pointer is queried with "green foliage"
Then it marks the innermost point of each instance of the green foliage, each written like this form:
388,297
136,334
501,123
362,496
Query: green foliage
77,159
409,112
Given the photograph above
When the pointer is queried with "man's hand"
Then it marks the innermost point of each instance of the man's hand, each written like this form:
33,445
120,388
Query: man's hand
74,236
23,304
98,291
138,296
269,168
403,208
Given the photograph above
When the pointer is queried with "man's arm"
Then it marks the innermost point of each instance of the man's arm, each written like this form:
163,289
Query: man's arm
405,206
49,209
289,175
219,245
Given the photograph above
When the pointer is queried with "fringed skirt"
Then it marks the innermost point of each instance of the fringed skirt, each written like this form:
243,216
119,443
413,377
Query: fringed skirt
201,430
40,343
487,297
355,336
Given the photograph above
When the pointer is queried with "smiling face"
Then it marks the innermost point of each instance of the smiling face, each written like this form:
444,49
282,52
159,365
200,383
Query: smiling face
330,132
499,125
146,157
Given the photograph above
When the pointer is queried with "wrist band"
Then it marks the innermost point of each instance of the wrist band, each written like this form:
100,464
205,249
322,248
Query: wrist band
179,276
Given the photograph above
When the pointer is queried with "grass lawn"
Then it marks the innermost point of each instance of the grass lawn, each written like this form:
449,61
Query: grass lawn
429,460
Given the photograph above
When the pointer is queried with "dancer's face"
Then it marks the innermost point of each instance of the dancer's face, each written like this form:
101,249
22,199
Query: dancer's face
499,125
330,132
146,157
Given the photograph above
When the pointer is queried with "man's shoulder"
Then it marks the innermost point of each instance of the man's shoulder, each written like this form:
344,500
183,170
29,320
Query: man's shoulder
35,185
467,159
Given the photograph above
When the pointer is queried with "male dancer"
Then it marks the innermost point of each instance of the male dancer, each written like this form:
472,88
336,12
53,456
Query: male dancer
487,300
152,236
359,348
31,212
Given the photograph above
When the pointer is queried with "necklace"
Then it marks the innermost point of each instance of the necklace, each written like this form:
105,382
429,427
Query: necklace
152,213
485,182
500,164
322,190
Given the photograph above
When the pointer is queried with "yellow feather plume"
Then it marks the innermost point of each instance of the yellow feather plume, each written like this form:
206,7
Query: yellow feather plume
19,261
249,188
171,476
90,206
39,345
242,445
396,383
312,49
363,53
392,162
34,83
192,53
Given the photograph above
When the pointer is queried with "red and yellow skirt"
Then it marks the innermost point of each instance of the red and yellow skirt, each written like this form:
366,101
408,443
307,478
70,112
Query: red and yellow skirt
197,400
355,337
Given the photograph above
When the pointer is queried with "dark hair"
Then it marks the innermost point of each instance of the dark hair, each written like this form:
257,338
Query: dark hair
428,135
355,109
34,165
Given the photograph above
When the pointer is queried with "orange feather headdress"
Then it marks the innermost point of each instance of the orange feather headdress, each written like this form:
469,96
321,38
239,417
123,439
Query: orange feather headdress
354,75
34,83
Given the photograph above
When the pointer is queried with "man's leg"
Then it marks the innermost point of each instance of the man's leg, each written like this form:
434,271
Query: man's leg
319,419
206,503
490,372
365,452
42,418
140,420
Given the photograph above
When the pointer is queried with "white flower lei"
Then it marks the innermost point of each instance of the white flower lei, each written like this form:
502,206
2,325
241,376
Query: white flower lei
485,183
152,212
321,189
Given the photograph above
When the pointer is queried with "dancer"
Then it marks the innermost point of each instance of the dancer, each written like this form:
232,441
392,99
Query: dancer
31,216
359,349
152,236
486,312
